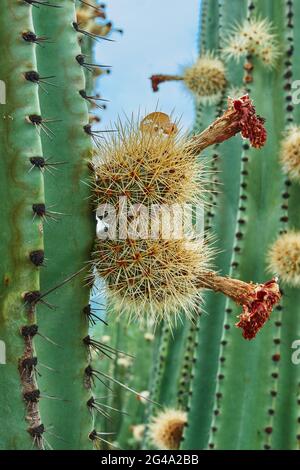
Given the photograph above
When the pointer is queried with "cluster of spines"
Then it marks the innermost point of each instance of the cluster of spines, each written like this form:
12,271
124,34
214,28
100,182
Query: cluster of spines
255,37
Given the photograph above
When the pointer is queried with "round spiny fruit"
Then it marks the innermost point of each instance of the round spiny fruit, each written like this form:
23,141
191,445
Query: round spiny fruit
254,37
152,278
290,153
206,78
166,429
284,258
147,164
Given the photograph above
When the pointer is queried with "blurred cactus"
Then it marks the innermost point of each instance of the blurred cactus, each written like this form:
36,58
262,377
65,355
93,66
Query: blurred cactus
240,392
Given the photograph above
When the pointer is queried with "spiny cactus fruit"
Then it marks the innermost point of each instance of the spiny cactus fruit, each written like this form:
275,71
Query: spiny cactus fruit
255,37
206,78
290,153
147,167
152,279
160,278
284,258
166,429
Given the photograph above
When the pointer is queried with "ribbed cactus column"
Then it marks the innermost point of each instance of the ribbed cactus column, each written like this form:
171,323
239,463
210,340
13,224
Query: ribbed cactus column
245,382
220,220
22,231
68,242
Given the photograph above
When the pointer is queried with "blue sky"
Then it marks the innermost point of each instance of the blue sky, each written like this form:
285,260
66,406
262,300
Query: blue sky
160,36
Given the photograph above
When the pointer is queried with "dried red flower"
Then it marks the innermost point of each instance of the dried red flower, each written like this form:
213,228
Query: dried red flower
239,117
251,124
257,300
257,307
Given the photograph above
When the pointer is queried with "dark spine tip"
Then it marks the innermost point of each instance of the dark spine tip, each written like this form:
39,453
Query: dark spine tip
37,257
90,402
35,119
32,297
88,371
32,396
29,36
93,435
80,59
37,431
32,76
29,331
87,310
75,26
87,340
39,162
88,129
39,209
83,94
29,363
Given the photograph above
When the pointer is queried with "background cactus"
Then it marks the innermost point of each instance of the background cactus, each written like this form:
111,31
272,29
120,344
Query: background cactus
237,391
208,387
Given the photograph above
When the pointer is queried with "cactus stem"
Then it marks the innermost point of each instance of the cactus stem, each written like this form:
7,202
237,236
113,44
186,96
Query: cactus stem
156,80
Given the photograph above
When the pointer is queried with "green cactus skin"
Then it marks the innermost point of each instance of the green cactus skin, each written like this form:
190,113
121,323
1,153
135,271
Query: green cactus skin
250,364
20,234
172,371
68,242
253,380
256,394
220,219
130,339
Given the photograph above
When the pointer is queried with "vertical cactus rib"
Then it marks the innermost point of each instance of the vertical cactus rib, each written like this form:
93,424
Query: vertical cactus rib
68,243
134,341
22,233
159,358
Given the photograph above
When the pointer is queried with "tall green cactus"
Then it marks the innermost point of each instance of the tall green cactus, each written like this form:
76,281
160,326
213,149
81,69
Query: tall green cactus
45,140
